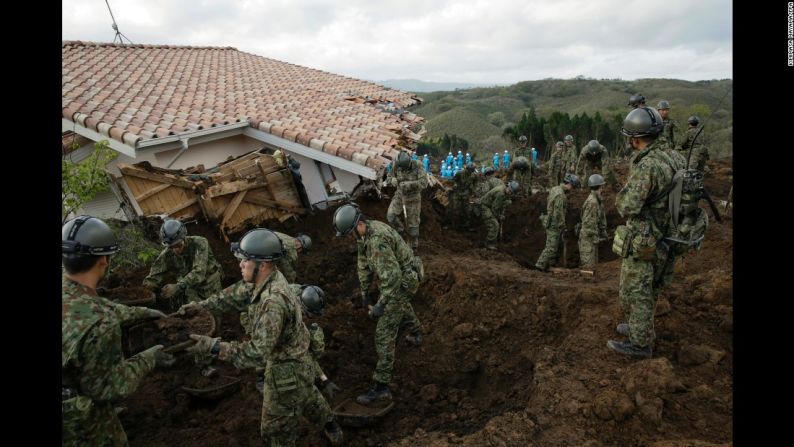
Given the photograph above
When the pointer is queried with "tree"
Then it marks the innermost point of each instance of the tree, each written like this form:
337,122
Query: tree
81,182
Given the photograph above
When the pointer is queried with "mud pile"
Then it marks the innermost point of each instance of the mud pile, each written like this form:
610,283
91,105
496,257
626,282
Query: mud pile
511,356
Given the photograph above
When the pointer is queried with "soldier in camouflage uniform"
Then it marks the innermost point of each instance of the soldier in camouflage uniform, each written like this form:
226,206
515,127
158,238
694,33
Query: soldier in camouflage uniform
94,372
464,189
523,150
668,136
593,227
293,246
279,341
570,155
557,165
554,221
700,153
190,258
487,182
493,206
410,179
382,253
642,201
593,159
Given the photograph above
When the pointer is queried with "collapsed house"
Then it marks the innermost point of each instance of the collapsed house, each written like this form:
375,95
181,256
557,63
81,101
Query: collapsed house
184,109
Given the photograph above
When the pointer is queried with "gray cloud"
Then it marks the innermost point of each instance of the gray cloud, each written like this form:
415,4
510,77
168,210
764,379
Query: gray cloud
458,41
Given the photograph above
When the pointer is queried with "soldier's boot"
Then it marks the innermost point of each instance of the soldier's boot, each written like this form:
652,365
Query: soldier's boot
626,348
623,329
334,433
414,243
377,393
490,246
415,338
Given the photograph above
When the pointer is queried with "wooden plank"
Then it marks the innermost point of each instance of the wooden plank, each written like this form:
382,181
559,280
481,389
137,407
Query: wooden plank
232,187
161,178
233,206
275,204
182,205
152,192
564,270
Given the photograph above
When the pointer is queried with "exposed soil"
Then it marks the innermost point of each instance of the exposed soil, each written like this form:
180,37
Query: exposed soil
510,357
168,331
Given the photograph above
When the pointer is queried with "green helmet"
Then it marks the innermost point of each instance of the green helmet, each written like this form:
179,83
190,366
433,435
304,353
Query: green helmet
346,218
488,171
636,100
172,232
571,178
663,104
259,244
593,146
595,180
313,300
693,120
559,144
522,139
513,186
403,160
86,235
306,242
643,121
568,138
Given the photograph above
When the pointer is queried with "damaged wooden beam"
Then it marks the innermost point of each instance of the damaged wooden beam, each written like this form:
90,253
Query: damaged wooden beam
558,270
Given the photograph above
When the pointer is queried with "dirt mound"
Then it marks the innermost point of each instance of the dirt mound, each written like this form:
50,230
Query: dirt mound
510,356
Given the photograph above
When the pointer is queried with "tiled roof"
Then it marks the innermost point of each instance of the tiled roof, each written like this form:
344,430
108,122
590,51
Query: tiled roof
134,93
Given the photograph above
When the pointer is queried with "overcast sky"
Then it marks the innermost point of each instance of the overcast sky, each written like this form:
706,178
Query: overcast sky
493,41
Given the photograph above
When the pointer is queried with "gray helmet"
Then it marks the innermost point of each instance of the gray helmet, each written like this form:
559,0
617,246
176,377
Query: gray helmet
86,235
172,231
313,300
306,242
521,163
595,180
346,218
559,144
643,121
488,171
259,244
513,185
403,160
693,120
593,146
636,100
571,178
663,104
522,139
568,138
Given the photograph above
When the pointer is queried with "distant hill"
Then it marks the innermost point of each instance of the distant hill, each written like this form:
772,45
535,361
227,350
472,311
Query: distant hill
416,86
481,114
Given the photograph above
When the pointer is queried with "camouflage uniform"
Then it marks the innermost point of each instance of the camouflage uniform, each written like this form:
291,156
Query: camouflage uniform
570,155
522,176
279,341
196,268
316,337
524,151
410,184
556,167
383,253
647,214
589,164
464,188
94,368
668,134
554,222
700,154
593,229
493,205
287,263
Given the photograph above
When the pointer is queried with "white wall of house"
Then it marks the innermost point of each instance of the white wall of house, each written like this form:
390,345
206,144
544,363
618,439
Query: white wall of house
104,206
209,154
312,179
347,180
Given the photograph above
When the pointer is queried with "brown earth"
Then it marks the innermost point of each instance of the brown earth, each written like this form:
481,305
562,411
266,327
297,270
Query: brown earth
511,356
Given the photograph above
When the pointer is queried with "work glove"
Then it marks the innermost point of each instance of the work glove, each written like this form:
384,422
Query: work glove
329,388
171,290
162,359
393,181
184,309
204,344
377,310
364,299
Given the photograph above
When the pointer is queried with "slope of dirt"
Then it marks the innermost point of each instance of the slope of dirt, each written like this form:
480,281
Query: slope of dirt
511,356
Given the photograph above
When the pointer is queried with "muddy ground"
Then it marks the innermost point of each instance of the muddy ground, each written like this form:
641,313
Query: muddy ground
511,356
